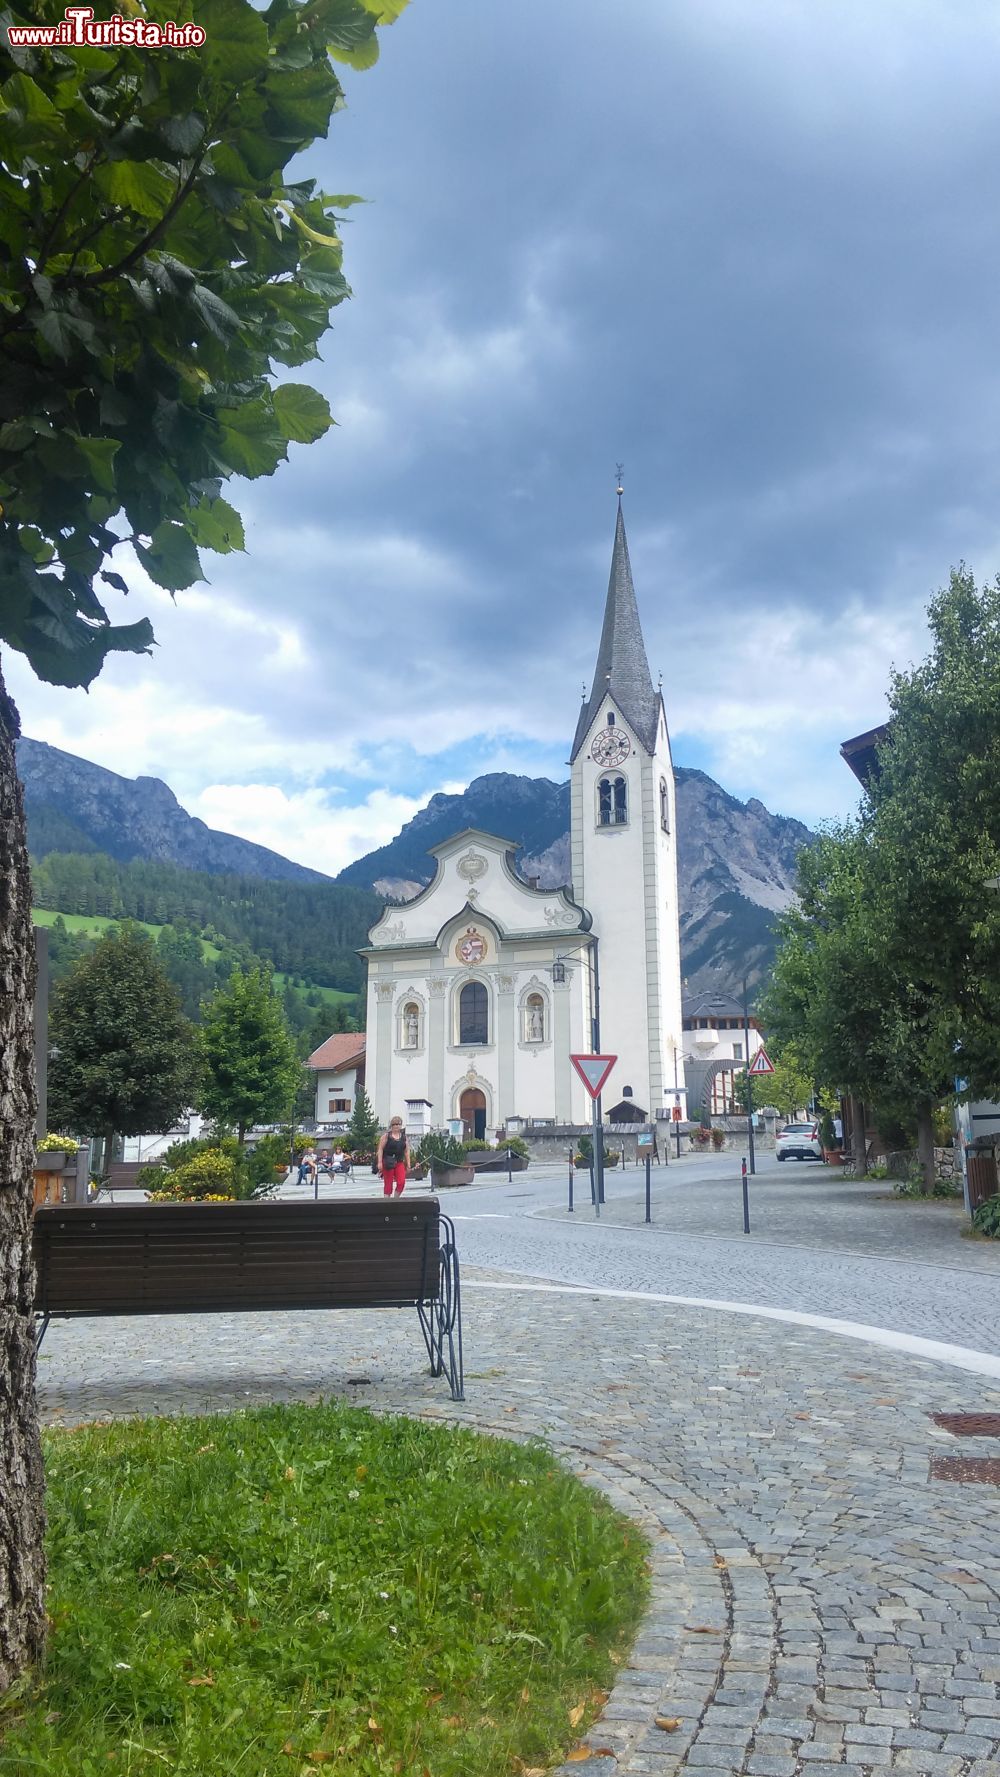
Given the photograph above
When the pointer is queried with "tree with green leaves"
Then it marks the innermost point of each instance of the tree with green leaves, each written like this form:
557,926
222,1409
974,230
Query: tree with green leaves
251,1071
158,268
123,1053
364,1128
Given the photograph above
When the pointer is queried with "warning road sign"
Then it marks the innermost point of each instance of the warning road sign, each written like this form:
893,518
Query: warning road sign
593,1070
761,1063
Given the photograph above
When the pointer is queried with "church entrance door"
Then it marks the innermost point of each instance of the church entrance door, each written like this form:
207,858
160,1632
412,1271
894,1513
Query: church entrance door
472,1110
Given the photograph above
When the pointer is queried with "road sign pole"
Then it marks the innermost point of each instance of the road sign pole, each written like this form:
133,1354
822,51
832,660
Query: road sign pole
597,1159
649,1162
746,1201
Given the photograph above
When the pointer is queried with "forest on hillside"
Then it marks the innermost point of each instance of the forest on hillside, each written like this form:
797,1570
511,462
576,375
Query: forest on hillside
306,930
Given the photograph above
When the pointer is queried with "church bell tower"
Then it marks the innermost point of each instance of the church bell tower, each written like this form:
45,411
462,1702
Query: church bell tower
625,857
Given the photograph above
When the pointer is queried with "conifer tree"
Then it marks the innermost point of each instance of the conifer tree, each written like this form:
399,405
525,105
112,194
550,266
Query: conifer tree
251,1069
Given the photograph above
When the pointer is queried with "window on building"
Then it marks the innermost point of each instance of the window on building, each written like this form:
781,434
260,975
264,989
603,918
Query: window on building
737,1051
534,1019
409,1026
473,1013
340,1104
664,806
612,802
611,718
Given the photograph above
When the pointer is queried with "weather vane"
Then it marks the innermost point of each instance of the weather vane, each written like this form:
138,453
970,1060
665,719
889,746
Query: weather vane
619,473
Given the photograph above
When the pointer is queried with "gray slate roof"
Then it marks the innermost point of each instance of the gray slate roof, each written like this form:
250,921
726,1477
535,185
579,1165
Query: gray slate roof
622,667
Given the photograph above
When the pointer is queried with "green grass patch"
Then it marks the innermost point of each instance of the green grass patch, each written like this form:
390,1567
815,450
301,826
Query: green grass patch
331,996
94,924
294,1589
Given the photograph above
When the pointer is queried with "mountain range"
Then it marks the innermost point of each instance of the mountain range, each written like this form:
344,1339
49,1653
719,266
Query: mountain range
736,860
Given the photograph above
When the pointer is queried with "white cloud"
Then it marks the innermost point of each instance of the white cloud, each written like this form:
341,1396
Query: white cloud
305,824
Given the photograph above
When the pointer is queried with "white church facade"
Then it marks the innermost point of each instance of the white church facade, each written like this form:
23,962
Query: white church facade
482,986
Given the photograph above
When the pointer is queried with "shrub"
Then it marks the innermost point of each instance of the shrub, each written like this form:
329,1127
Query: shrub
701,1136
446,1149
827,1133
587,1147
476,1145
517,1145
611,1156
986,1219
255,1168
718,1139
208,1175
180,1152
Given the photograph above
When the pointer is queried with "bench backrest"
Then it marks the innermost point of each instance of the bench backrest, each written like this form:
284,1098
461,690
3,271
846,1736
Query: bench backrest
149,1258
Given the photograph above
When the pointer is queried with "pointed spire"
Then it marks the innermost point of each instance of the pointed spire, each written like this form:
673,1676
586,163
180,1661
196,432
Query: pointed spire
622,667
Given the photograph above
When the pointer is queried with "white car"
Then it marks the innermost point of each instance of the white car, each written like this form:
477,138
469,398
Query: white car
798,1141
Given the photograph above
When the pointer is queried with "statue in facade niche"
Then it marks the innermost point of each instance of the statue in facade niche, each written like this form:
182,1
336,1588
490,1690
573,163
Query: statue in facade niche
536,1029
412,1029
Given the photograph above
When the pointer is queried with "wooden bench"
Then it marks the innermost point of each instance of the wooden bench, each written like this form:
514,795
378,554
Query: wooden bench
216,1258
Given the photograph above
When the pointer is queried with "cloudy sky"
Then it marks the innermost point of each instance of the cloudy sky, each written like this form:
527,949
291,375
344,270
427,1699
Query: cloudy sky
751,248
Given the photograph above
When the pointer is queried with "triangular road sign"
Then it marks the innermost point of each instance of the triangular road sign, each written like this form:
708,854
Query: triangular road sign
761,1063
593,1070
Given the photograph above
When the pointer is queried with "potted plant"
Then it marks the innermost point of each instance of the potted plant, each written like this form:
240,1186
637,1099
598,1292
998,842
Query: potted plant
718,1139
611,1156
52,1152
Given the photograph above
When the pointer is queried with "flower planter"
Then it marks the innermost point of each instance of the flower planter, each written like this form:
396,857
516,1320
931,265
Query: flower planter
443,1178
833,1156
51,1160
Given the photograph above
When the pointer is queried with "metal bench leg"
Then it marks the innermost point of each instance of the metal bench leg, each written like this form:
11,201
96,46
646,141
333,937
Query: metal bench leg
441,1318
41,1328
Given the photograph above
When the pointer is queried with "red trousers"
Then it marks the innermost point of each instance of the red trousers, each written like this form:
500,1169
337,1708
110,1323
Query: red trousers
393,1175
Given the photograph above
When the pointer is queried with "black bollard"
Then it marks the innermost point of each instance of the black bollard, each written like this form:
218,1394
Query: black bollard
593,1187
571,1172
649,1164
746,1201
508,1166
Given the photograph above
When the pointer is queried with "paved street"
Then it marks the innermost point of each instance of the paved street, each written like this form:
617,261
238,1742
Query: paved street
822,1603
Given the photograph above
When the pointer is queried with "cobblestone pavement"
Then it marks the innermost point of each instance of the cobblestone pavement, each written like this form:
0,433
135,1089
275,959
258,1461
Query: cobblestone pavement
822,1607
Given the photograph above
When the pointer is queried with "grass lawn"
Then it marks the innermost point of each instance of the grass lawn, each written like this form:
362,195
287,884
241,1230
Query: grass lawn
299,1589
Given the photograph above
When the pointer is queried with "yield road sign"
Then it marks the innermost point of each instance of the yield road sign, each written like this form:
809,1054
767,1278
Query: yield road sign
593,1070
761,1063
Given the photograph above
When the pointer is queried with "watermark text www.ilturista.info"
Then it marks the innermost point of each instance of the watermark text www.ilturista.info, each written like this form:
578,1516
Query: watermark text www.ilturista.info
79,26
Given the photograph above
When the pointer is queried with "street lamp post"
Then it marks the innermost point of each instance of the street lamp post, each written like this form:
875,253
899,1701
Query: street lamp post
590,954
749,1076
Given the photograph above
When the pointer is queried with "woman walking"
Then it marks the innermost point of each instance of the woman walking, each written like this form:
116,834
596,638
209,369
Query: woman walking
393,1157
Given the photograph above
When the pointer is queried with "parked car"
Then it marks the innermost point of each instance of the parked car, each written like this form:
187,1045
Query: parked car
798,1141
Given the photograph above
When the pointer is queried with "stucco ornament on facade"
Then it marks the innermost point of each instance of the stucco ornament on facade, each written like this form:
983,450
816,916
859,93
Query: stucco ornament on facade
471,947
384,990
393,934
472,866
554,916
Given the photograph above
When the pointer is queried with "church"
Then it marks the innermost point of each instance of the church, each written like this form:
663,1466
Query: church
482,987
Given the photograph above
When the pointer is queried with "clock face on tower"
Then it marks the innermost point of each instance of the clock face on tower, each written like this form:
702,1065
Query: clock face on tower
610,747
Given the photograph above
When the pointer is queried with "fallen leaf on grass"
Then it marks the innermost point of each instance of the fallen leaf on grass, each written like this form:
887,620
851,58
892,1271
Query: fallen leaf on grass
289,1474
525,1695
53,1716
202,1448
435,1697
576,1715
453,1721
207,1679
373,1726
669,1723
319,1757
720,1561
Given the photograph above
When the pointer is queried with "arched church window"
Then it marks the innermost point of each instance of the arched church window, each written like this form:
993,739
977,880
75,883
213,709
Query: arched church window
611,718
664,806
473,1013
534,1019
612,802
409,1029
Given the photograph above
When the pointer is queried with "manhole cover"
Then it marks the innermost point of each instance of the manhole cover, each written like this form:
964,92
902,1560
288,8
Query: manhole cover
985,1469
969,1425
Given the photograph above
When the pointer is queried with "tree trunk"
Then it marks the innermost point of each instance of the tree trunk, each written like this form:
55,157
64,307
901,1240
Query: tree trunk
108,1153
22,1511
925,1144
858,1138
